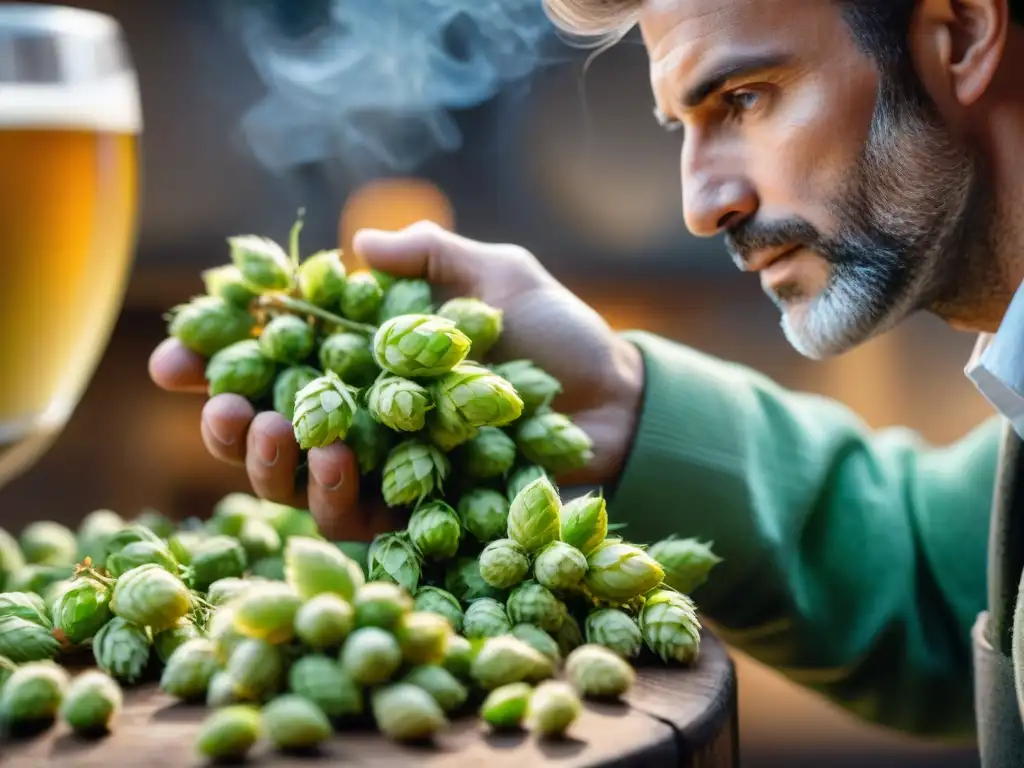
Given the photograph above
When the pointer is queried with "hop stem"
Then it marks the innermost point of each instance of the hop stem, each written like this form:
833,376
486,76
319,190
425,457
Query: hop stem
293,239
291,304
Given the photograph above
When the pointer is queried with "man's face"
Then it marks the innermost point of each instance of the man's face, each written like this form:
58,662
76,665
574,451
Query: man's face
836,180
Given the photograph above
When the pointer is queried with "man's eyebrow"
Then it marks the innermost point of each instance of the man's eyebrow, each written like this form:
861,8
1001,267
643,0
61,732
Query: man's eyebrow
732,67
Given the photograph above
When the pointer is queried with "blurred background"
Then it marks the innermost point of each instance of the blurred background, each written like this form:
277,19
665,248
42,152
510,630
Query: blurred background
382,112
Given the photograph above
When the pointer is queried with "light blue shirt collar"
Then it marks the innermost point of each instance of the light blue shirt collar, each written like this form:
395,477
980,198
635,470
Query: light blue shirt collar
997,365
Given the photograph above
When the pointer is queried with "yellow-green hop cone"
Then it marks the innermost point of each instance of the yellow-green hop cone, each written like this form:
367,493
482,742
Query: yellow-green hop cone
392,558
670,626
447,691
140,553
148,596
471,396
230,732
522,477
48,543
560,567
221,630
481,322
24,641
554,442
348,354
122,650
423,637
406,712
217,557
441,602
259,539
288,384
463,580
226,282
257,669
569,636
240,369
291,521
505,708
189,670
619,572
585,522
533,516
208,324
485,617
25,605
323,411
167,641
371,656
399,404
554,707
263,263
324,621
370,441
413,471
484,514
458,657
434,529
598,673
615,630
267,612
405,297
322,681
33,693
419,345
381,604
321,279
82,609
687,562
362,297
540,640
507,659
491,453
447,434
221,691
314,567
91,702
533,603
536,387
287,339
7,668
504,564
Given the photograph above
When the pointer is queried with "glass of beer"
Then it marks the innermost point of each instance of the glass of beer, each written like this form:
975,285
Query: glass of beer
70,121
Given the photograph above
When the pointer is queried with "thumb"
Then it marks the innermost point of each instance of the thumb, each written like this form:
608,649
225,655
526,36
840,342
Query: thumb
424,250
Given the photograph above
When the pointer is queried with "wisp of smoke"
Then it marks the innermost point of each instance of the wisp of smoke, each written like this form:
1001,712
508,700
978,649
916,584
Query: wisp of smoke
375,84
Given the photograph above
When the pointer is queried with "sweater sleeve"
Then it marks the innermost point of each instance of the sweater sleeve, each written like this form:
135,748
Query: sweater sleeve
854,560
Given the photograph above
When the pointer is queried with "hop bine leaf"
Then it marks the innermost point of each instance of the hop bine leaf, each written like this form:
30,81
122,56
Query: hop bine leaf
399,404
523,476
369,440
294,722
560,567
371,656
505,707
413,471
33,693
533,516
208,324
406,712
381,604
491,453
671,629
314,567
240,369
481,322
230,732
484,514
91,702
392,558
507,659
615,630
48,543
406,297
348,354
122,650
226,282
554,442
24,641
585,522
82,610
288,384
435,530
687,562
554,706
619,572
362,297
287,339
531,603
263,263
321,279
322,681
148,596
485,617
537,388
504,564
323,411
470,396
437,600
419,345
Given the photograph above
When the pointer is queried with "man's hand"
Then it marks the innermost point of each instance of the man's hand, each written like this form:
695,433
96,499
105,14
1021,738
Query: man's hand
602,375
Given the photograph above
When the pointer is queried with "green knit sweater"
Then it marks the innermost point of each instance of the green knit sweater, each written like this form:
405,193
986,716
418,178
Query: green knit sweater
854,558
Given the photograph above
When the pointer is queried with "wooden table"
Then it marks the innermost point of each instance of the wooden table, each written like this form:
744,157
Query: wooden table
672,717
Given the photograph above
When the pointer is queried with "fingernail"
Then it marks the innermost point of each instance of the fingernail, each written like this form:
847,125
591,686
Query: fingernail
328,477
267,450
221,432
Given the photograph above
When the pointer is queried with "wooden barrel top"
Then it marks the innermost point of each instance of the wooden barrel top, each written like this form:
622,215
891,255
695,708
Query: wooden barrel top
672,717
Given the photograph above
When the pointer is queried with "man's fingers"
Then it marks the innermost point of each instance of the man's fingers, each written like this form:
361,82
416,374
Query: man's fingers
176,368
271,457
333,490
423,250
224,425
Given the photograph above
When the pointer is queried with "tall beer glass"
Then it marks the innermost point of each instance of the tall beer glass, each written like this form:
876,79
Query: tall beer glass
70,120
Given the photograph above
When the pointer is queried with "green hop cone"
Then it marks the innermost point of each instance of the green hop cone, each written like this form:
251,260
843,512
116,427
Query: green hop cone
25,605
324,621
463,580
533,516
458,657
54,592
585,522
371,656
221,691
619,572
536,387
362,297
399,404
132,533
384,279
485,617
37,578
226,282
598,673
230,732
263,263
91,702
539,640
522,477
208,324
288,384
437,600
569,636
321,279
287,339
554,442
93,532
240,369
267,612
293,722
370,441
257,669
470,396
313,567
157,523
435,530
33,693
323,411
447,691
484,514
406,712
148,596
221,630
82,609
189,670
392,558
504,564
167,641
259,539
139,553
271,568
505,708
491,453
24,641
560,567
448,435
533,603
412,472
687,562
348,354
419,346
231,513
48,543
185,544
290,521
615,630
423,637
481,322
122,650
7,668
381,604
217,557
554,706
507,659
322,681
405,297
670,626
11,559
225,590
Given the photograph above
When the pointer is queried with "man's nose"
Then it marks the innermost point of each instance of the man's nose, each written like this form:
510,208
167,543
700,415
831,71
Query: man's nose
713,203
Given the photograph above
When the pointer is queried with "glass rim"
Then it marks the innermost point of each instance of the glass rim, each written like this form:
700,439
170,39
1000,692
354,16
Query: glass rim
63,20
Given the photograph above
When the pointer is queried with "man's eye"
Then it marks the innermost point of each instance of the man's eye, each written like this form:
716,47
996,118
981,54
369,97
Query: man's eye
743,99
